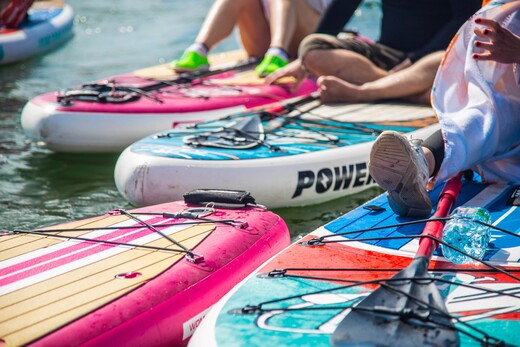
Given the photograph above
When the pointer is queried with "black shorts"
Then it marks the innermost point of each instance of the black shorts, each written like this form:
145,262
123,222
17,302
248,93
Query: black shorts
381,55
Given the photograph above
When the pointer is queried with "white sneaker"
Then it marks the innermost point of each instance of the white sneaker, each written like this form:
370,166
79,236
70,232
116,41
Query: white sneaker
399,166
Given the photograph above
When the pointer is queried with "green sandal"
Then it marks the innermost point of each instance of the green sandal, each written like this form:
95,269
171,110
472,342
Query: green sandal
270,64
190,61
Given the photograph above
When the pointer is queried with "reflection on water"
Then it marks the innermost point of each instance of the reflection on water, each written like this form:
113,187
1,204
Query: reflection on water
46,188
38,187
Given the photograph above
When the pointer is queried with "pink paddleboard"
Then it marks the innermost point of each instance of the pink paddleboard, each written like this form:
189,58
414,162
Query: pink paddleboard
145,277
112,113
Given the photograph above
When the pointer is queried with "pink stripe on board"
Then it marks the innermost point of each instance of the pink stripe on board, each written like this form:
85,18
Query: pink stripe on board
72,248
120,235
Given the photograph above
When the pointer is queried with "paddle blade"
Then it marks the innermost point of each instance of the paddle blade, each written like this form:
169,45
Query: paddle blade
402,312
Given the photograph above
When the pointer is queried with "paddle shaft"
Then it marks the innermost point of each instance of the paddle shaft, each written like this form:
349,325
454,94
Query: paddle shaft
283,106
188,77
434,228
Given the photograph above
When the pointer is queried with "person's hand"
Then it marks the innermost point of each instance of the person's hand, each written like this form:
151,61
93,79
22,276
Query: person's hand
496,42
293,69
402,65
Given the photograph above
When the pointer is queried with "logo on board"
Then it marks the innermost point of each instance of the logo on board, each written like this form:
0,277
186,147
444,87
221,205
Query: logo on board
333,179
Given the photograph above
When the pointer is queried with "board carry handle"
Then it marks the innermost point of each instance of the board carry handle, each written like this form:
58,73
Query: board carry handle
219,197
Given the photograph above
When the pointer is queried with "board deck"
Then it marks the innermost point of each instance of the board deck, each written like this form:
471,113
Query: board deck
299,297
313,127
30,308
165,72
69,289
308,155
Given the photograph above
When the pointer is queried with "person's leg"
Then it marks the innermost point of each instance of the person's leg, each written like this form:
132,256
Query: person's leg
12,13
219,24
344,64
349,57
433,148
290,21
253,27
413,83
225,14
403,167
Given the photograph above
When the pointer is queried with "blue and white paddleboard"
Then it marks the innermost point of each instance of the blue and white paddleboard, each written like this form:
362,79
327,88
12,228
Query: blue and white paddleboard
300,154
300,296
43,29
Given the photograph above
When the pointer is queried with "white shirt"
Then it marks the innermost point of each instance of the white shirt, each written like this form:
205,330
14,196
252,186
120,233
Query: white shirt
478,104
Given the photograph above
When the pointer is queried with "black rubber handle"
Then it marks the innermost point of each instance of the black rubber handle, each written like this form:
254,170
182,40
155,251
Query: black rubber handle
218,196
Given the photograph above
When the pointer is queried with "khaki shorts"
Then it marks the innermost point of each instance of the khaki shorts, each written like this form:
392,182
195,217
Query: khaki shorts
381,55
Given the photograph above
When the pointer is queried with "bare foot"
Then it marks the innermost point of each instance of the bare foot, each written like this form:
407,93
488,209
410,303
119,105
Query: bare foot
333,89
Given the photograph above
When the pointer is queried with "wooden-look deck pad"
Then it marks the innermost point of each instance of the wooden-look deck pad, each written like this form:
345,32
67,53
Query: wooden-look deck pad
46,282
165,72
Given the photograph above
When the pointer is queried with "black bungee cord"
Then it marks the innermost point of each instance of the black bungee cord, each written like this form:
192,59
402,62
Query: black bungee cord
478,334
190,255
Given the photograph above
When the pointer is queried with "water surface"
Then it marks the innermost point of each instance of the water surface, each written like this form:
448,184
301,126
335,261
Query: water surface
39,187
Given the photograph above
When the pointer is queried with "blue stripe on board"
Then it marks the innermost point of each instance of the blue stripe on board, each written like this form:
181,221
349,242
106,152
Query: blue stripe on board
342,224
500,242
362,218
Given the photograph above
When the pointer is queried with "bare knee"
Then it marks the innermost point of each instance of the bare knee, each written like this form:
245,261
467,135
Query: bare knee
310,59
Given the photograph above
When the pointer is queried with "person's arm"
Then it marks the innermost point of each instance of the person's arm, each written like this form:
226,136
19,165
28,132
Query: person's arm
461,11
337,14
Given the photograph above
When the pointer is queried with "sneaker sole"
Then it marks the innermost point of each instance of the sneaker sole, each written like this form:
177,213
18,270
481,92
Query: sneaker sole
391,167
181,70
